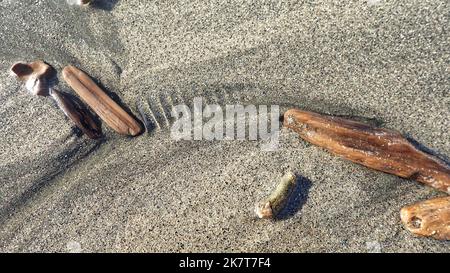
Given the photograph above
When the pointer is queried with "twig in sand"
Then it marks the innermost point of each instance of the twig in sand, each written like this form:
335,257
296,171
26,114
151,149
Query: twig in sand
271,206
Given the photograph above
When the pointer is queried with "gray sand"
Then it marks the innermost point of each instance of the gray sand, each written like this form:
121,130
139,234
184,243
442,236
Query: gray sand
385,62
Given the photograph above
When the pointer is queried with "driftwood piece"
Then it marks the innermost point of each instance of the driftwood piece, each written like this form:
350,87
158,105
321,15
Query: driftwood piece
270,207
37,76
430,218
82,118
108,110
376,148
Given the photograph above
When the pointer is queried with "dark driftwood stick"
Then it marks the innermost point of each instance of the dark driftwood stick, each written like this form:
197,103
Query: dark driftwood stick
376,148
82,118
430,218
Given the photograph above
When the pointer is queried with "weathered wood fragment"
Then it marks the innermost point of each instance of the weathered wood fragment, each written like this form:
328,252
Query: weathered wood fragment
376,148
108,110
430,218
270,207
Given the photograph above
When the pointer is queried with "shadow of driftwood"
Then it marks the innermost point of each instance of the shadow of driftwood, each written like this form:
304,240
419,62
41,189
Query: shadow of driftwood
64,161
427,150
80,105
297,198
107,5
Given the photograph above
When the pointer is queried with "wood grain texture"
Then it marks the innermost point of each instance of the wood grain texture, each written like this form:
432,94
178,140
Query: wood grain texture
376,148
108,110
430,218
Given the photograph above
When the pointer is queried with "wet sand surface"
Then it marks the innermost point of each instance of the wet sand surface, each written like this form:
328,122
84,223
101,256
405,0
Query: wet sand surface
383,62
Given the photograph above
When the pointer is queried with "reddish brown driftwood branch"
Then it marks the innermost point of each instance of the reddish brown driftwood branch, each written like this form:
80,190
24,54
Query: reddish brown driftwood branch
104,106
376,148
430,218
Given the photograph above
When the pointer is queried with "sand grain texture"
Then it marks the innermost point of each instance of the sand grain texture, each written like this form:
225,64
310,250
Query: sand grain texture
385,63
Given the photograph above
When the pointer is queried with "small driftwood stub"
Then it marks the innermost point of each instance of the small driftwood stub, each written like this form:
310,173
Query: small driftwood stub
270,207
430,218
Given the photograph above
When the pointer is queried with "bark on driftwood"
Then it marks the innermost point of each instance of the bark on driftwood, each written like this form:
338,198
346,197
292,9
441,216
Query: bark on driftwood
376,148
